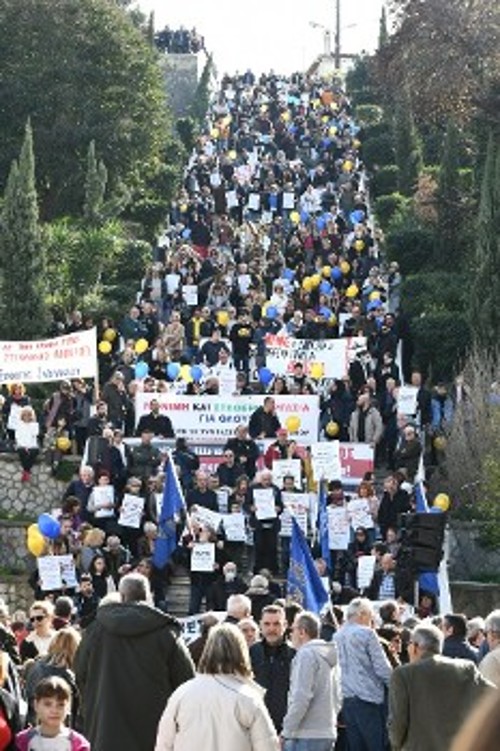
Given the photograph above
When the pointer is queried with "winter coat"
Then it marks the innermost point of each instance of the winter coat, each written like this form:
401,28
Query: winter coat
216,713
131,659
314,698
374,427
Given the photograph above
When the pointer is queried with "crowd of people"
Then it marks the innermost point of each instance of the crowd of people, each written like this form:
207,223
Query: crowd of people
179,41
271,234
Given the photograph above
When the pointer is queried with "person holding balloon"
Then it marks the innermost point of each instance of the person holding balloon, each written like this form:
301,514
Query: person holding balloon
26,439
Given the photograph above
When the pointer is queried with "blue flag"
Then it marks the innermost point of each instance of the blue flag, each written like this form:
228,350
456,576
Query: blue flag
304,584
421,505
323,525
173,502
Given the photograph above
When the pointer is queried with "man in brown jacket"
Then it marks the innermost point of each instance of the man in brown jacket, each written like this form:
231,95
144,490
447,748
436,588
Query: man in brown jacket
430,697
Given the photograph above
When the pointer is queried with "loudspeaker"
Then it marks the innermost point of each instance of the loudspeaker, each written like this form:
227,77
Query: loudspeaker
423,536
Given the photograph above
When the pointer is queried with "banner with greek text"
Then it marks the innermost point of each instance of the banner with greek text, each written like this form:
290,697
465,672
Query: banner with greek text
61,358
335,355
205,418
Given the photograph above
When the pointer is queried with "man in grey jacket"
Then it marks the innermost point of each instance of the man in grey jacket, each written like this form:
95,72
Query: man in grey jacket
314,696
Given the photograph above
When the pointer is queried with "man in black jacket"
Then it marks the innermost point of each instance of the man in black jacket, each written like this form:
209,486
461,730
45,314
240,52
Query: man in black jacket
155,422
130,661
264,422
271,660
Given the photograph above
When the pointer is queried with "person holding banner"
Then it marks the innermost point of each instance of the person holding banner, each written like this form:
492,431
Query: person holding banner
265,508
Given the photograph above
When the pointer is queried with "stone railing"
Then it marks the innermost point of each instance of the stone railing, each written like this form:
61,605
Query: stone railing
468,559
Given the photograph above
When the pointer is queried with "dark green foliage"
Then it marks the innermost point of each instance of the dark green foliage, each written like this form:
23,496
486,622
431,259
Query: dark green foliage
435,292
186,130
384,181
485,292
450,211
23,310
359,83
383,34
95,188
410,243
441,340
369,114
407,145
388,207
378,150
83,72
202,96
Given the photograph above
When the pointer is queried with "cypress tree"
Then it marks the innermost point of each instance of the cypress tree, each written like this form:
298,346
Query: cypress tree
449,199
95,188
24,313
407,145
383,34
485,311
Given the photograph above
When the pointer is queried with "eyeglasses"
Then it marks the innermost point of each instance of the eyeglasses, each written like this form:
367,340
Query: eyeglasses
37,618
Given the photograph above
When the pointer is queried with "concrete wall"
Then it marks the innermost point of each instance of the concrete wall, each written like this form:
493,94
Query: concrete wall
181,73
467,558
474,599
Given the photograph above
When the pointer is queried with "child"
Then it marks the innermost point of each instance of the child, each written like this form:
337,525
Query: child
52,706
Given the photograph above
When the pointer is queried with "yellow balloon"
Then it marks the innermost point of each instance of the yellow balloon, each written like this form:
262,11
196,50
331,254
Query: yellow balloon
294,217
33,531
332,429
232,154
375,295
214,132
222,318
442,501
285,116
332,131
109,335
307,284
63,443
439,443
36,544
356,143
345,267
347,166
292,423
332,321
352,290
183,207
141,346
317,370
316,103
185,373
326,271
324,118
105,347
316,280
359,245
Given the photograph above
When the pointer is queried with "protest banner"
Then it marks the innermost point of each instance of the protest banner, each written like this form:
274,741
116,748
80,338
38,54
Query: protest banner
56,572
234,527
131,511
286,468
339,530
103,497
191,625
407,400
366,568
190,294
209,419
264,502
203,557
206,516
356,459
325,459
295,505
64,357
335,355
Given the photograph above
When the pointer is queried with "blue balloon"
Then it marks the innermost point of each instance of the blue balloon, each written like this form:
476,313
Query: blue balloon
186,233
357,216
265,376
141,369
173,370
325,312
304,217
289,275
325,287
336,273
196,373
320,223
48,526
271,312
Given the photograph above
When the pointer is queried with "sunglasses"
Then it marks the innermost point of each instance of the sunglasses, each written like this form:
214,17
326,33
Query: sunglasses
37,618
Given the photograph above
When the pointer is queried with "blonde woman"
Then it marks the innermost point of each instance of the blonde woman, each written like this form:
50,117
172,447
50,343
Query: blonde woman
26,438
221,708
38,640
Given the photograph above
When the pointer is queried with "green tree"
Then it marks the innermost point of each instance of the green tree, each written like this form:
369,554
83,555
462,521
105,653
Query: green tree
24,313
485,312
89,75
407,145
450,204
202,96
95,188
383,33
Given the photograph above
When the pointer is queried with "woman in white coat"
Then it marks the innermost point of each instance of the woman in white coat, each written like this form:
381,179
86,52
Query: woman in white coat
221,708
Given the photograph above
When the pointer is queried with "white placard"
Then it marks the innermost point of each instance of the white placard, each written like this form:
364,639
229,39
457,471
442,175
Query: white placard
206,516
285,467
69,356
407,400
131,511
158,504
223,499
288,201
263,499
295,505
14,416
190,294
56,572
234,527
359,513
335,355
203,556
231,199
68,570
254,202
325,459
366,568
339,530
103,499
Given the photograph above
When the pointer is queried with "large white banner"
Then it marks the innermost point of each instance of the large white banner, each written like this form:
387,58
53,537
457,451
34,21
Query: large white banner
335,355
64,357
204,419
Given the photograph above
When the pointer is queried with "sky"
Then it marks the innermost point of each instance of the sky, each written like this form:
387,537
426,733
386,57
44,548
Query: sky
269,34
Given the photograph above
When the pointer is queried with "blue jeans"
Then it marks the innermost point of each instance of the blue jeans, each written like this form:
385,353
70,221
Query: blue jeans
309,744
365,725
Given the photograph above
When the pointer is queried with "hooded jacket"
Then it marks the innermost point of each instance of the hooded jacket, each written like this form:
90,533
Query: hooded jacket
314,697
131,659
